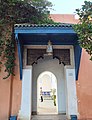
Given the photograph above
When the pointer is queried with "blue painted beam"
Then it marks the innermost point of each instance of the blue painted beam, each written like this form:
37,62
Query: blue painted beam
19,54
77,55
56,39
44,30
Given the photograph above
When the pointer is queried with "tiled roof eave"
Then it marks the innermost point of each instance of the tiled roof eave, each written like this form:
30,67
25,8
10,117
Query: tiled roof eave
44,25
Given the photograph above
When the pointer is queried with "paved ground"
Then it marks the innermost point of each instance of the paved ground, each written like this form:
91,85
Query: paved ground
47,111
46,107
49,117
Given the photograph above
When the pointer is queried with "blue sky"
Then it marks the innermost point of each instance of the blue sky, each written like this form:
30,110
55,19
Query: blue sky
66,6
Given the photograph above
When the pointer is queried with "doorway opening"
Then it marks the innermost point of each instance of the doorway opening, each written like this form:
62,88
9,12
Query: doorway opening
47,102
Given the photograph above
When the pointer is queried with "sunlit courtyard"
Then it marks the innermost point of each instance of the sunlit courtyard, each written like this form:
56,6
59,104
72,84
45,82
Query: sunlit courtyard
47,107
47,89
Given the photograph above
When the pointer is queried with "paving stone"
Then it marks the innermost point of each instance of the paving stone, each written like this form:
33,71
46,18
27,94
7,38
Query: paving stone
49,117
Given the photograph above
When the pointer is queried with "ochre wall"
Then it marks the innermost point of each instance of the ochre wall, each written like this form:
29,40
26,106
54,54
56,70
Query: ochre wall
16,91
4,97
10,93
84,87
64,18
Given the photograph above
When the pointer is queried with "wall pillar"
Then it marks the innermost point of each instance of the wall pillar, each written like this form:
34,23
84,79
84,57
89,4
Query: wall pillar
71,98
25,111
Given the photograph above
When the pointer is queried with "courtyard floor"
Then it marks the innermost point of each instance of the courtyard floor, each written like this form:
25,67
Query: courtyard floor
47,111
46,107
49,117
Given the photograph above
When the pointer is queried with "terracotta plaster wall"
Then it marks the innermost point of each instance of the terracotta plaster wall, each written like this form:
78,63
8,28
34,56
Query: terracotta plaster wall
84,87
4,97
16,89
64,18
10,93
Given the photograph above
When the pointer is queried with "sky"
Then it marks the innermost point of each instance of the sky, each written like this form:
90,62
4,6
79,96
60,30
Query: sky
66,6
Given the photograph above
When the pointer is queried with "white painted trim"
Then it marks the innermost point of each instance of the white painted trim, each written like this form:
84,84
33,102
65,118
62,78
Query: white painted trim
44,46
25,111
72,57
24,57
71,95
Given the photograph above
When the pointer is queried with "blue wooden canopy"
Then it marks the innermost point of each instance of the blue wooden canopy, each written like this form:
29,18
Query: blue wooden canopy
39,34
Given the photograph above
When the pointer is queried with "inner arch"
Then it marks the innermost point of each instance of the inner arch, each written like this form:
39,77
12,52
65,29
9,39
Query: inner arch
47,89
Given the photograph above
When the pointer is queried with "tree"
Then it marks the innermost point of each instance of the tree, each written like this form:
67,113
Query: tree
13,12
84,28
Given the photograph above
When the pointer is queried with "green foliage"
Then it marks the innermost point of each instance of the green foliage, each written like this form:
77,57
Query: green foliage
14,12
9,53
54,96
84,28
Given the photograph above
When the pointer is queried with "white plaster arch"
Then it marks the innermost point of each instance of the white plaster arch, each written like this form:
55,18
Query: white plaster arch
53,66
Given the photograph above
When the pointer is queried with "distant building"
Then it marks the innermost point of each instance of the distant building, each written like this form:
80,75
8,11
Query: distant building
65,18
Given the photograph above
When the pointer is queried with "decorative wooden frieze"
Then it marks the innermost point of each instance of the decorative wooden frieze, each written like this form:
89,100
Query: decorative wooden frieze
33,55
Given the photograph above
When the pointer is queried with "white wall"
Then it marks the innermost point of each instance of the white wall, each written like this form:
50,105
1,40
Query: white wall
71,96
51,65
45,82
25,110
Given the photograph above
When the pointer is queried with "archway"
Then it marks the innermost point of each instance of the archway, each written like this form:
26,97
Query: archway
50,65
47,102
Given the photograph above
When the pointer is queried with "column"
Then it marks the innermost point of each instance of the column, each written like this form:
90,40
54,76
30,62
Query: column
71,97
25,111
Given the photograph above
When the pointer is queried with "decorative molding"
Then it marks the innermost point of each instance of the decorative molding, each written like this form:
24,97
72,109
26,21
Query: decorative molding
33,55
44,46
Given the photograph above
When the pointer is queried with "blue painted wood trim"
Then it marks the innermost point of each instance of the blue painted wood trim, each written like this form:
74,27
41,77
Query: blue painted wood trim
13,118
77,55
73,117
44,30
19,45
